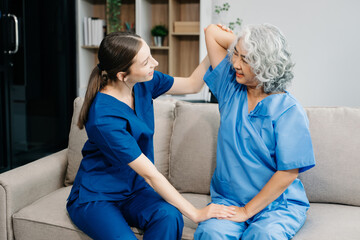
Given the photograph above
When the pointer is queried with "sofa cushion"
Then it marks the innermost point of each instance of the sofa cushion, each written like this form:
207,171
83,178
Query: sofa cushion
330,221
47,218
193,146
324,221
335,133
77,139
164,118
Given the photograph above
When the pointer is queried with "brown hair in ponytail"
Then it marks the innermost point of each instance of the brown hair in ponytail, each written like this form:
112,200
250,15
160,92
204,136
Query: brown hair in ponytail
116,54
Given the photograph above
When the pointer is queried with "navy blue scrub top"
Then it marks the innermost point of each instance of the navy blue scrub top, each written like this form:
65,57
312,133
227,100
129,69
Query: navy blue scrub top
117,135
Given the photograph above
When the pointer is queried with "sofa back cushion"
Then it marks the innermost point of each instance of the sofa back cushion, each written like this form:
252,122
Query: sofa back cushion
335,133
336,139
164,117
164,111
193,146
77,139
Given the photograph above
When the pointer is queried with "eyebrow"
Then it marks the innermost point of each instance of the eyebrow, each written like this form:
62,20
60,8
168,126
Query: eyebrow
145,60
243,56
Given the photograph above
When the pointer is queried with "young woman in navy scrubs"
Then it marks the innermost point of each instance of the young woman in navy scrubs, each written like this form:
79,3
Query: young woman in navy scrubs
117,185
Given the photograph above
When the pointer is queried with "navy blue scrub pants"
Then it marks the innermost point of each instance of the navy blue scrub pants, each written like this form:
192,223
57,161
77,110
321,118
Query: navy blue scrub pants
109,220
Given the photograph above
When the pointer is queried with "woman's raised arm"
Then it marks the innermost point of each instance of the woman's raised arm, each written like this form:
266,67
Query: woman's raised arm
218,40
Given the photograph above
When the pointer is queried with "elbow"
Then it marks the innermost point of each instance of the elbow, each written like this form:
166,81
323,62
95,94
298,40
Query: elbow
209,32
210,28
293,175
293,178
288,177
151,177
197,89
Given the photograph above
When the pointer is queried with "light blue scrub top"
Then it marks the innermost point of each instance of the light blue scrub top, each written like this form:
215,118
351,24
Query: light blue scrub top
251,147
117,135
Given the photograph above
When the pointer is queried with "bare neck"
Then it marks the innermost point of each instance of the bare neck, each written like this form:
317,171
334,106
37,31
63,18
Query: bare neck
123,91
254,96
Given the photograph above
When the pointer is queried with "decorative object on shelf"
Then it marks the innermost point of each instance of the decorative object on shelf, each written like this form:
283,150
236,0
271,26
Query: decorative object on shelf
159,32
113,15
130,28
224,8
94,31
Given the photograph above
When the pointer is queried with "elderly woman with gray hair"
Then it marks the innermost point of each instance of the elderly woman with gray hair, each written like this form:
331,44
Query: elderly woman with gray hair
263,141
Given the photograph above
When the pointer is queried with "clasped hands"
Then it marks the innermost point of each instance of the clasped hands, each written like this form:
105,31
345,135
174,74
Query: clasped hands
232,213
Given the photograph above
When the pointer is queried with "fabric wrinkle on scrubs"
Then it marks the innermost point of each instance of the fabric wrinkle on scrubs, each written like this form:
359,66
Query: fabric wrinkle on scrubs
251,147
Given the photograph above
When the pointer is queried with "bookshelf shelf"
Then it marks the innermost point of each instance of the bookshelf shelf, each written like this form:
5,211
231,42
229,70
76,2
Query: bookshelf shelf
165,48
90,47
186,34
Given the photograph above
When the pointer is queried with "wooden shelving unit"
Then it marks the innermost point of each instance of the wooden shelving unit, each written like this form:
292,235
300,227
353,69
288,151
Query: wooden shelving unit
178,56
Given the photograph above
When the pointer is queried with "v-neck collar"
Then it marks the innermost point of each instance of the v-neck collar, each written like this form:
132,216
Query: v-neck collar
124,104
259,104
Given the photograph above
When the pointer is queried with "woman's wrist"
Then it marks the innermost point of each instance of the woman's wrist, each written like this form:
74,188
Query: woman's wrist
194,215
247,211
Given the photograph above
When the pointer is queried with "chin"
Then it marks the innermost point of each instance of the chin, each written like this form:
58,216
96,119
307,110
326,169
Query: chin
149,78
240,80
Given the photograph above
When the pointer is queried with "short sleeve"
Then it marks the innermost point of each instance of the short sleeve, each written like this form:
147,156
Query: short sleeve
114,141
221,80
293,141
160,84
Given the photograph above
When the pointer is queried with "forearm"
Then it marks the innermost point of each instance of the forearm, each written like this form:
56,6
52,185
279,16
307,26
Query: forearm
217,42
145,168
216,34
162,186
196,78
192,84
277,184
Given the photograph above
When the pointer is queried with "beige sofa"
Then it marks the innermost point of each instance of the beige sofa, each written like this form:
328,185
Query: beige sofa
33,197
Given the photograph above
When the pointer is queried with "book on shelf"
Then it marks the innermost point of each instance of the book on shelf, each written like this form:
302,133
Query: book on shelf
94,31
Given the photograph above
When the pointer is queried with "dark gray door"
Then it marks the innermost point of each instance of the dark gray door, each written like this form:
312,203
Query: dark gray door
37,78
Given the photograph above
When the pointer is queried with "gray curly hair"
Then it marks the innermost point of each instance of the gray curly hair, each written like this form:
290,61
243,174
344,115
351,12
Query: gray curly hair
267,55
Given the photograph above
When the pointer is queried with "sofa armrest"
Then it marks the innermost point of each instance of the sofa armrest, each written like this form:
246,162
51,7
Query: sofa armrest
24,185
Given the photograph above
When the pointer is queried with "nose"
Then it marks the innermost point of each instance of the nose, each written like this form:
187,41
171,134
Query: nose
155,63
236,63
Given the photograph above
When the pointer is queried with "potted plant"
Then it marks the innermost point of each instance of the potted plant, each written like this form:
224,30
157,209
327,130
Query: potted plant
113,15
159,32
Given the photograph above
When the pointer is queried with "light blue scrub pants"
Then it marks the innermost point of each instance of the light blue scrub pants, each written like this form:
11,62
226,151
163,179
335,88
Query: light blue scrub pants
277,224
112,220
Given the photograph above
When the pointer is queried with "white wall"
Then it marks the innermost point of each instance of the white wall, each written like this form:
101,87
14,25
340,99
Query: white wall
324,37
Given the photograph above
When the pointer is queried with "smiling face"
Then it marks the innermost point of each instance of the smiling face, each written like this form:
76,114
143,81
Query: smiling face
142,69
244,73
